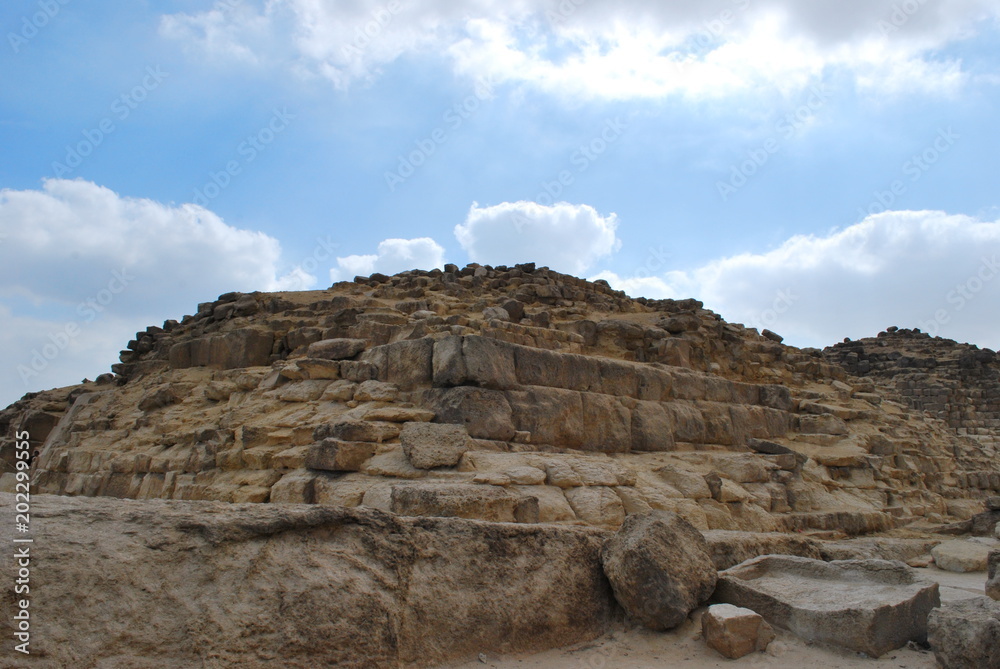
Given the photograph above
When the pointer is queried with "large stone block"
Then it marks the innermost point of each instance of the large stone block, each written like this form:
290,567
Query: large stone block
406,364
607,425
246,347
302,586
336,349
458,500
869,606
486,414
688,422
961,556
652,429
334,455
597,505
993,575
430,445
659,568
474,361
553,416
966,634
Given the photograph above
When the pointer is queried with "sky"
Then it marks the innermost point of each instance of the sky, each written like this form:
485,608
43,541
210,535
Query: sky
824,169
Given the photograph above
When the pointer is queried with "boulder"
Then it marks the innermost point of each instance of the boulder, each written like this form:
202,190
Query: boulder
823,424
336,349
961,556
735,631
993,575
869,606
659,567
966,634
429,445
259,585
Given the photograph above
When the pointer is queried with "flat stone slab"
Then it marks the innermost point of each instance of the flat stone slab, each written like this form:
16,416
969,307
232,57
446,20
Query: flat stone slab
869,606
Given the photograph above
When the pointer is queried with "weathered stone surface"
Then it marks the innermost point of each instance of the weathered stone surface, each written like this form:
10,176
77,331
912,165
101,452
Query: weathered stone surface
429,445
966,634
336,349
302,391
247,347
474,361
729,548
348,429
961,556
334,455
659,568
735,631
823,424
870,606
993,575
458,500
597,505
302,586
485,413
318,368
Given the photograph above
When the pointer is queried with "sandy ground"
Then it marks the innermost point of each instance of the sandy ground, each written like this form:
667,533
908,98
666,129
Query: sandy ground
639,648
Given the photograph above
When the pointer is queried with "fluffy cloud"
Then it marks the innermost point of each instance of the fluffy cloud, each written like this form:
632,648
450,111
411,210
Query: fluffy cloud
393,256
632,49
566,237
82,268
67,241
925,269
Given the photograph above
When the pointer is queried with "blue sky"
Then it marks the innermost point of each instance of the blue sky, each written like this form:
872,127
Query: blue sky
825,169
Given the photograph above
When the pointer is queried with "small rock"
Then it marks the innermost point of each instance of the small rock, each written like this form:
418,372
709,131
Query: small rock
961,556
735,631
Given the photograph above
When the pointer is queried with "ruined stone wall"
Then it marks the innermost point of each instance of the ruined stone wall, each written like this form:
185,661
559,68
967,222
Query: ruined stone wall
956,383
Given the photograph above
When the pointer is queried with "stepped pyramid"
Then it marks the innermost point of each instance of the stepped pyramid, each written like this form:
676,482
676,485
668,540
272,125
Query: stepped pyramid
514,394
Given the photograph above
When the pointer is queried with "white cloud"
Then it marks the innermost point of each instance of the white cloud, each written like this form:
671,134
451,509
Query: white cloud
78,257
567,237
924,269
393,256
65,242
620,50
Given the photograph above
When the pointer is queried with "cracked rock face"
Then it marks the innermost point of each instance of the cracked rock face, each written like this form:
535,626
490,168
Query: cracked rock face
274,585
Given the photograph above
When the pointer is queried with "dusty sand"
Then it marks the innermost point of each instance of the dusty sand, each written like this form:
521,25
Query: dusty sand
639,648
